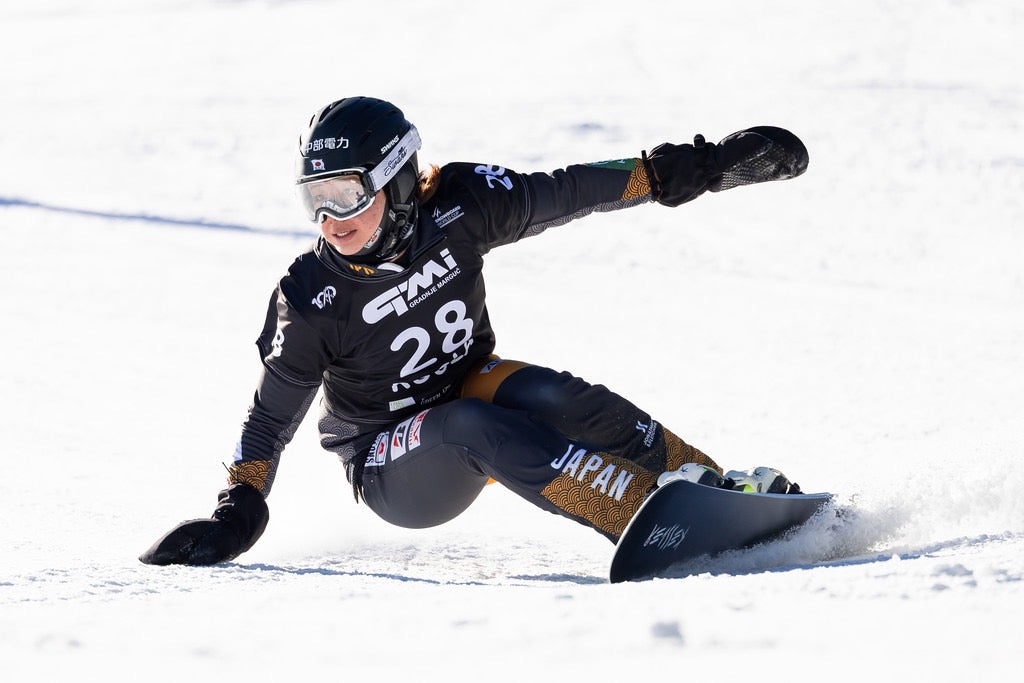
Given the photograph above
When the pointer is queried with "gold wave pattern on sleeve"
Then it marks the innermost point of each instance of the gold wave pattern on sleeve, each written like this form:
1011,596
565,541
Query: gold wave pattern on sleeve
638,184
255,473
582,498
679,452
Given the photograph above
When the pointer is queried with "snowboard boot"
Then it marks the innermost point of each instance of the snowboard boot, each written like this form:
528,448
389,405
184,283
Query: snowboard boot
698,474
760,480
756,480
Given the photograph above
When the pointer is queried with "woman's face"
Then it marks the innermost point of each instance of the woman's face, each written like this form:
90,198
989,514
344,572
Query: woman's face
349,236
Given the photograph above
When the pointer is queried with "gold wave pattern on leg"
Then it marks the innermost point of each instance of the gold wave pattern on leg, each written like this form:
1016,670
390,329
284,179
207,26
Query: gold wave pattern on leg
607,497
678,452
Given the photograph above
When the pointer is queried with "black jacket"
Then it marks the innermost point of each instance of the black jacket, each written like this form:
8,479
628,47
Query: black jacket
387,341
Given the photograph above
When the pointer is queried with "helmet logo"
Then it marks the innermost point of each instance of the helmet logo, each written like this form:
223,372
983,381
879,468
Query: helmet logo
318,164
320,144
392,143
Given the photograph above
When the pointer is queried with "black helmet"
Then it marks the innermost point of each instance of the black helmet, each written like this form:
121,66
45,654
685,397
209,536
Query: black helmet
352,149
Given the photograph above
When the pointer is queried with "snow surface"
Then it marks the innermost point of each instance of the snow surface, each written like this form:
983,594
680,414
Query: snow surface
862,328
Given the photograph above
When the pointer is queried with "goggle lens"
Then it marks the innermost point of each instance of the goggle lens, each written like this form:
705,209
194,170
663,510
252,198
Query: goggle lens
340,197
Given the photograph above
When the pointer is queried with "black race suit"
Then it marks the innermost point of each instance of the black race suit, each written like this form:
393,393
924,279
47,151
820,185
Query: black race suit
414,403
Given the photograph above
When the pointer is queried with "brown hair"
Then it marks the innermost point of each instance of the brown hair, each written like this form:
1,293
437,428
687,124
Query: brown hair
428,181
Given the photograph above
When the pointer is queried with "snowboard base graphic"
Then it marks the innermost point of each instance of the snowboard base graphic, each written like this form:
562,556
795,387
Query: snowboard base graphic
683,520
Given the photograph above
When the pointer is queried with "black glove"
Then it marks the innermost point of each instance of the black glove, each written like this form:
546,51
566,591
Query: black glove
237,523
679,173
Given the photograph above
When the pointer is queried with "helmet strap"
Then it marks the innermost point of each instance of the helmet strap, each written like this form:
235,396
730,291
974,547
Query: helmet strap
403,220
396,228
399,219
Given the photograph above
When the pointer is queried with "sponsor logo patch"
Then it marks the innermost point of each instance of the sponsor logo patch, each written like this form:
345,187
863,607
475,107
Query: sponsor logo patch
378,454
649,432
402,403
443,219
406,437
320,144
398,446
325,297
415,428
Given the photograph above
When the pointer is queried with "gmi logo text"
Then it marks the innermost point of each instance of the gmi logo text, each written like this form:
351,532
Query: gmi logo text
412,291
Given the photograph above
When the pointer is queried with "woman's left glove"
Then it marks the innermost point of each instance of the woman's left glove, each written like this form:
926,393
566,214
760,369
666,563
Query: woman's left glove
680,173
237,523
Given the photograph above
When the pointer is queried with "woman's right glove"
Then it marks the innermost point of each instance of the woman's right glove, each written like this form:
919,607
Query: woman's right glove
236,524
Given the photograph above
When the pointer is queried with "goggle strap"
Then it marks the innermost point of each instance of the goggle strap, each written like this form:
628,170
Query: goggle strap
396,158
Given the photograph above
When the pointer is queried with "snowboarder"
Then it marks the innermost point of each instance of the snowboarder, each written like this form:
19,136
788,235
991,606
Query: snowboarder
386,313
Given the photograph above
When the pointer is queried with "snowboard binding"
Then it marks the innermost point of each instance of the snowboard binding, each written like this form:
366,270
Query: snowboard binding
756,480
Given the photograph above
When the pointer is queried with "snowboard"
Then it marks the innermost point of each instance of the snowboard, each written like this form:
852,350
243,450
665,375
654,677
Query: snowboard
683,520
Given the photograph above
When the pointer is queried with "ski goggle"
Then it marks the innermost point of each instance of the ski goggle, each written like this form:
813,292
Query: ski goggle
347,193
339,197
